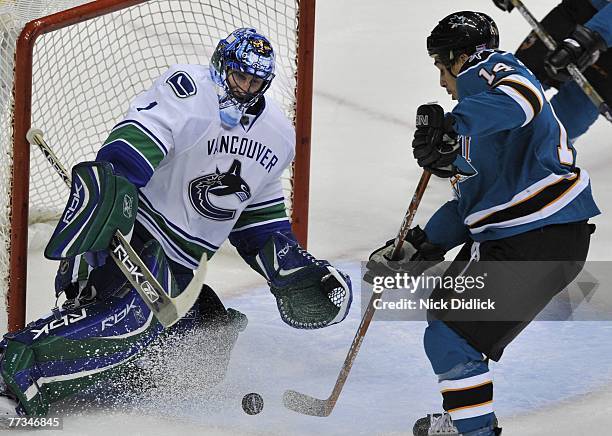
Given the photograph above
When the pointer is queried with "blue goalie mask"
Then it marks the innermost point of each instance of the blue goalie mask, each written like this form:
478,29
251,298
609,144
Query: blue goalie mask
249,55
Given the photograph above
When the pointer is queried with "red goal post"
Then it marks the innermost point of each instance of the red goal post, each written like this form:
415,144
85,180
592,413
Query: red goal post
25,105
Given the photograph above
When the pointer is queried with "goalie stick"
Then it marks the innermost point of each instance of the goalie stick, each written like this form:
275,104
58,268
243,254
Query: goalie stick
307,405
572,69
168,310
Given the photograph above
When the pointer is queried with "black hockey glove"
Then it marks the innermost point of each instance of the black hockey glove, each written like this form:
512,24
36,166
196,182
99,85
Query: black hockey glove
504,5
416,256
435,144
581,48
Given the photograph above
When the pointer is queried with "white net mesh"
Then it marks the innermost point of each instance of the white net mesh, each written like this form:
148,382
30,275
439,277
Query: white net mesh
85,75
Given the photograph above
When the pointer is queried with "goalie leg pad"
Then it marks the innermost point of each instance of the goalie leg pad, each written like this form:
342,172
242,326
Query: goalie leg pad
77,347
66,352
72,349
309,293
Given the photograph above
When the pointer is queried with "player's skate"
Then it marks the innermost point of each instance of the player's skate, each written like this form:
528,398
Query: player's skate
435,424
441,424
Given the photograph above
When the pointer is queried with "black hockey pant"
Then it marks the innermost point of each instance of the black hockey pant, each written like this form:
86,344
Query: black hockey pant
521,274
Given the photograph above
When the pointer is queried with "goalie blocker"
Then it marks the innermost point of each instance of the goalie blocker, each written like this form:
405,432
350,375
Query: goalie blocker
100,203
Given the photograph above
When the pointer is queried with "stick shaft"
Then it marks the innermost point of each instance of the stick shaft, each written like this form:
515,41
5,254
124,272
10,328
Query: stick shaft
369,312
52,158
576,74
410,214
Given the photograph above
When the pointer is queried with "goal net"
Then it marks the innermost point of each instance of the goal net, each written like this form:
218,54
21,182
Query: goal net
85,69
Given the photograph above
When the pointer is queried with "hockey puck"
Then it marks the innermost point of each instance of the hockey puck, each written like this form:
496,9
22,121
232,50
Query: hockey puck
252,403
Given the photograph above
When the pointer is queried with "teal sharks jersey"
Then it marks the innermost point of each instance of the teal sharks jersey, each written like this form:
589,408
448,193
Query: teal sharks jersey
522,164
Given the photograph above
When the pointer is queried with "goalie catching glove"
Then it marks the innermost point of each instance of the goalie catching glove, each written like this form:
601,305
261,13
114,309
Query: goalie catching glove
309,293
100,203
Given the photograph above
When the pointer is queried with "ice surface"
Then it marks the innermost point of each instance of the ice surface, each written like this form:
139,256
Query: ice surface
390,386
371,72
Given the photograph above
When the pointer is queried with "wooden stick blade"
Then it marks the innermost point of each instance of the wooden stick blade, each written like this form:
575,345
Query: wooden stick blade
306,405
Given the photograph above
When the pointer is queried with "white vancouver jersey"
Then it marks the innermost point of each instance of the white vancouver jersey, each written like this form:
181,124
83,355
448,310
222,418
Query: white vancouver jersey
199,180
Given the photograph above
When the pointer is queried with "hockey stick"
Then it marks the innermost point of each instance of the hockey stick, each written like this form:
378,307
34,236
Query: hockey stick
168,310
307,405
573,70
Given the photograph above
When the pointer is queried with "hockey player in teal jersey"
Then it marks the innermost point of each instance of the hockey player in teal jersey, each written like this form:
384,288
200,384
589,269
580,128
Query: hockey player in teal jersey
582,30
518,196
196,161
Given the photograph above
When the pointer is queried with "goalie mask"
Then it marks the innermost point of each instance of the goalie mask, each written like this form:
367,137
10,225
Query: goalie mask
242,67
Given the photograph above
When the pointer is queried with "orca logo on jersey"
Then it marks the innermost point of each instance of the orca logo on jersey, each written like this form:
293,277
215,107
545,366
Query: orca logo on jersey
219,184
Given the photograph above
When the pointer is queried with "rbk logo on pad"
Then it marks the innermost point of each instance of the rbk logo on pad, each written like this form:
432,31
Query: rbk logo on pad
76,201
219,184
66,319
